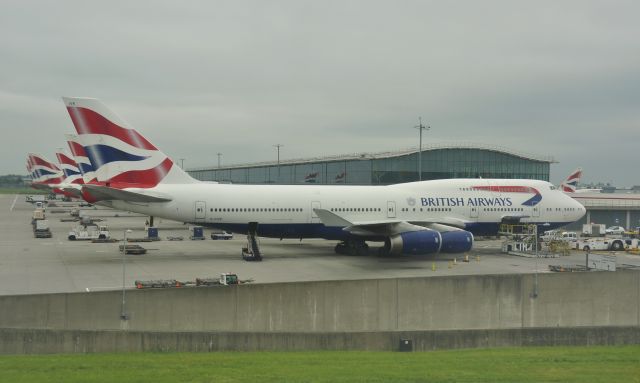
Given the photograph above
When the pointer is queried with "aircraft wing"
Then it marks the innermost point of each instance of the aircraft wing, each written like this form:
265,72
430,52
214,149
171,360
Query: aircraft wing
390,226
107,193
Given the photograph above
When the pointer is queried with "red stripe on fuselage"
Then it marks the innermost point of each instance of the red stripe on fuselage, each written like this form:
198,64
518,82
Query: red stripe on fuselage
508,189
87,121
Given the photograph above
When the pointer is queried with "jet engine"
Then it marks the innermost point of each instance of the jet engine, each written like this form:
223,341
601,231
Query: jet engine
457,241
413,243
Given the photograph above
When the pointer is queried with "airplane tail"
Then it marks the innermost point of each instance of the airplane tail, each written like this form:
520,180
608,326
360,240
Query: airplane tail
571,183
81,159
69,169
121,157
43,171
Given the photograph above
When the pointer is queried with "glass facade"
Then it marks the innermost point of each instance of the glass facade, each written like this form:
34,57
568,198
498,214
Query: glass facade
371,170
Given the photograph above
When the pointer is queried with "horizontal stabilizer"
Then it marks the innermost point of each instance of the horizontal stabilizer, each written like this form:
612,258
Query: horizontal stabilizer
107,193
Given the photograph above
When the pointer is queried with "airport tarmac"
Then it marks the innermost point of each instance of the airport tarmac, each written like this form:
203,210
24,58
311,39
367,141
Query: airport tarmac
52,265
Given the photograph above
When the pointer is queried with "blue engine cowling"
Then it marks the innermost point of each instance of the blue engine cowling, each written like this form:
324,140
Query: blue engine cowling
456,241
414,243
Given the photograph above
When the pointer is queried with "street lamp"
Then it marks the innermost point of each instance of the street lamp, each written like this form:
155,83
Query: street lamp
278,146
123,313
420,127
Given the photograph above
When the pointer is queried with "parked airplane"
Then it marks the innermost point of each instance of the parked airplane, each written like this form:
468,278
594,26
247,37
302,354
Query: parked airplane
412,218
44,173
570,185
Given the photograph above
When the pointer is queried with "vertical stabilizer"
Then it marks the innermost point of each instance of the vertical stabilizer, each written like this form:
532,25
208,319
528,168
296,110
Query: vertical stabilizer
121,157
571,183
81,158
69,169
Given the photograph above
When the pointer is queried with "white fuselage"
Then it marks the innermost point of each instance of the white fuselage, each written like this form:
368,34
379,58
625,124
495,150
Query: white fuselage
287,210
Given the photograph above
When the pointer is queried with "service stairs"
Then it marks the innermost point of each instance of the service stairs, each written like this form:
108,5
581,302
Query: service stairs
253,252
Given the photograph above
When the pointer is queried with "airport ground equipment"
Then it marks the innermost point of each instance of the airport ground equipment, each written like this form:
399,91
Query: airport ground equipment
217,235
568,268
132,249
252,251
41,229
197,232
88,233
36,198
593,230
601,244
225,279
175,238
104,240
152,233
37,215
157,283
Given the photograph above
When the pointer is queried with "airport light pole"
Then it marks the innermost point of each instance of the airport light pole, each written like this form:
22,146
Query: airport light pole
219,155
181,163
535,282
123,312
278,146
420,127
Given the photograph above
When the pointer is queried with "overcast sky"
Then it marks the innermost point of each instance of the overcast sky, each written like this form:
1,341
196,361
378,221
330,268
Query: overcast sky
553,78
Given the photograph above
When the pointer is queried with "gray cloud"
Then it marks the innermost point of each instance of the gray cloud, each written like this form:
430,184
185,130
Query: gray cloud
552,78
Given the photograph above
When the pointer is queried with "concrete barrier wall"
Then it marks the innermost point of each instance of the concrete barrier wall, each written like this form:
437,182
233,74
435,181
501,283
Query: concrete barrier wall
23,341
411,304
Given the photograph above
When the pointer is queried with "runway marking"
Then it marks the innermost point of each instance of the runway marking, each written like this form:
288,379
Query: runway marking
14,203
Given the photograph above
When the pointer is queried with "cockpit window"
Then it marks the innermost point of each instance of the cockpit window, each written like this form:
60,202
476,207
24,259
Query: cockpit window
552,187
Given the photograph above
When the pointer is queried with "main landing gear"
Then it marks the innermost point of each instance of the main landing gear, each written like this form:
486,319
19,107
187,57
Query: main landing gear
352,247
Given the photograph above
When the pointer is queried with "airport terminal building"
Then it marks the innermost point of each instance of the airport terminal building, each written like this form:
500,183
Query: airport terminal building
438,162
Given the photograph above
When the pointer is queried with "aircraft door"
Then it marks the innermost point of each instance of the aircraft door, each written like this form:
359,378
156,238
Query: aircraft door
314,216
391,209
535,211
201,210
473,211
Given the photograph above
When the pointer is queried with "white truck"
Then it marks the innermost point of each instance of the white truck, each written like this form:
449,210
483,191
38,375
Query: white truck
594,229
556,235
602,244
36,198
86,233
41,229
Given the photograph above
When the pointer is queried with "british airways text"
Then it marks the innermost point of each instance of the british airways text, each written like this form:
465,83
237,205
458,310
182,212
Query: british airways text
460,201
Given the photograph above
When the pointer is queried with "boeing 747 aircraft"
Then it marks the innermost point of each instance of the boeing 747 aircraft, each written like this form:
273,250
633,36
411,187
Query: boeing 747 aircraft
413,218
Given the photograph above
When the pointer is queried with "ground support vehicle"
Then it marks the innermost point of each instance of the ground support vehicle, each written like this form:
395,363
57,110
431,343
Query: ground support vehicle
87,233
600,244
221,235
132,249
41,229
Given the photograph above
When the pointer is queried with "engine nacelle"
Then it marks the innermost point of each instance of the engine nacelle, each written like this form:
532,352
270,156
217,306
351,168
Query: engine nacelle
414,243
456,241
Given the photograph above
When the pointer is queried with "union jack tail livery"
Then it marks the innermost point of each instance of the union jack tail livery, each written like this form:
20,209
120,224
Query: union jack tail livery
121,157
44,173
81,158
69,169
571,183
